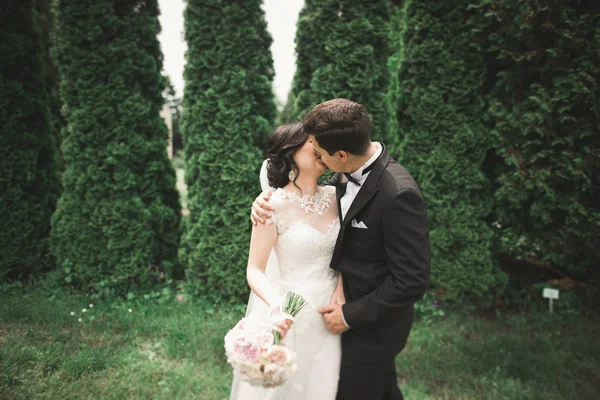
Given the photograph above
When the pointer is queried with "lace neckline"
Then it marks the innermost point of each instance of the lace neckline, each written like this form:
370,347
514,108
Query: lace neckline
316,203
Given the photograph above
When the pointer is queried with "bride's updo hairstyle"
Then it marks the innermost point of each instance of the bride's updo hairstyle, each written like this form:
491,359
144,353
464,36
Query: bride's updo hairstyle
283,144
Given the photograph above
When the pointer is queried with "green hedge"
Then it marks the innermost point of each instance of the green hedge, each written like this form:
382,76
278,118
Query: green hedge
228,115
441,119
116,225
343,48
46,21
544,109
397,27
29,184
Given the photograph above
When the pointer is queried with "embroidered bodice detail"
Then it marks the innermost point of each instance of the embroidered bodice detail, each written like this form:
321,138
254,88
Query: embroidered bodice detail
305,243
315,203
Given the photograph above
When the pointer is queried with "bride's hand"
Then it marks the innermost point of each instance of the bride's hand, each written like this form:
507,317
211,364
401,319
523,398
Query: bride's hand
282,321
284,326
261,209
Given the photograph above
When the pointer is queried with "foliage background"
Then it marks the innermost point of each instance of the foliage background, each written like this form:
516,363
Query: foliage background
116,227
492,107
343,48
229,113
29,156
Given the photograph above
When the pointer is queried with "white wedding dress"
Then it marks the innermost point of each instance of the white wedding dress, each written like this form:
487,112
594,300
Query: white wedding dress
303,252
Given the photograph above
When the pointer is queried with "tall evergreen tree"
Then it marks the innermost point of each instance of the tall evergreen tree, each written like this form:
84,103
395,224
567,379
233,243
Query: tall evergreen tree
397,26
545,111
343,50
228,115
116,225
29,184
45,19
446,141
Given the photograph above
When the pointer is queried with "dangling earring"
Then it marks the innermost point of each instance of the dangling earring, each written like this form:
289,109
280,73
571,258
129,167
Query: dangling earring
292,175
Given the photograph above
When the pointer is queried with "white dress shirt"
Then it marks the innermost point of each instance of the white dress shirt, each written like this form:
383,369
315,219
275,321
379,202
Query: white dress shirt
352,190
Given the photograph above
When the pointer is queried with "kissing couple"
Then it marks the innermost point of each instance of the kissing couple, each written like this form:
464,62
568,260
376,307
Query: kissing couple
356,248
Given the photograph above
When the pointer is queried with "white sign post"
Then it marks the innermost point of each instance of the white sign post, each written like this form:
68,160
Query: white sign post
551,294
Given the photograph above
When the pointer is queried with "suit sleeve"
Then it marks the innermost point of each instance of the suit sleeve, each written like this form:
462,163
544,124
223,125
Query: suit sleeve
406,243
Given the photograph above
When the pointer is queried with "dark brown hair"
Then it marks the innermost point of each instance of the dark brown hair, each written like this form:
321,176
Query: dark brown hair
283,143
340,124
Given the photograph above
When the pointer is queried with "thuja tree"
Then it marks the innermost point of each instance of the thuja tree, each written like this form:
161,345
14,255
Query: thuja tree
343,49
29,184
45,19
445,144
397,26
229,111
544,108
116,225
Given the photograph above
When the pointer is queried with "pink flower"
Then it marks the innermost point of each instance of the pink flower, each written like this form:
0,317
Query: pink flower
245,350
251,351
265,340
278,354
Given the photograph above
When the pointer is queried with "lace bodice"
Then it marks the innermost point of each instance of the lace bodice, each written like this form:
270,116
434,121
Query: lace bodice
305,243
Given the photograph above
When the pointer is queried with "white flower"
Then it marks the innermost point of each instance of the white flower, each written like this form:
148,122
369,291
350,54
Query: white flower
79,320
91,305
130,310
72,313
83,310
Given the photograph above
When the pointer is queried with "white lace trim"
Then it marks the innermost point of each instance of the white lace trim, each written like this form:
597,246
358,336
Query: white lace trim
278,221
316,203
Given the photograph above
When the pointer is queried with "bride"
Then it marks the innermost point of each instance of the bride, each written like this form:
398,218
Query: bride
302,233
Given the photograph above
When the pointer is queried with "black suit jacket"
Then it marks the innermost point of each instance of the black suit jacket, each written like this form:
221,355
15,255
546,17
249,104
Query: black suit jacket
386,267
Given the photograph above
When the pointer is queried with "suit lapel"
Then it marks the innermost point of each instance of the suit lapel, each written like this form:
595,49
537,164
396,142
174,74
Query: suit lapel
365,194
369,187
361,199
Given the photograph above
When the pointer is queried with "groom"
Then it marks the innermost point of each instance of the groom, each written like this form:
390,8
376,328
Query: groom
382,250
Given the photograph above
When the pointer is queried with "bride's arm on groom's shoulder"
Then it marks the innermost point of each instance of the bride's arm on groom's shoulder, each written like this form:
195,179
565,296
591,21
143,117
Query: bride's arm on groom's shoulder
261,208
338,297
407,247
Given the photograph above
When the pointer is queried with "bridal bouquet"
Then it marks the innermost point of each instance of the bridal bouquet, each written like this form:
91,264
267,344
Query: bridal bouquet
257,354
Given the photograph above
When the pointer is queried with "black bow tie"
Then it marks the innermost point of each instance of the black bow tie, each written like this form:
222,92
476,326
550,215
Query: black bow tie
353,180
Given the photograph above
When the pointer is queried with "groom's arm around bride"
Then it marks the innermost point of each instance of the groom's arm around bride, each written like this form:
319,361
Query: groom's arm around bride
385,270
406,244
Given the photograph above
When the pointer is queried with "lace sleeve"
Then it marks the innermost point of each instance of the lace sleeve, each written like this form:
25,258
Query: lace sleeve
279,204
278,221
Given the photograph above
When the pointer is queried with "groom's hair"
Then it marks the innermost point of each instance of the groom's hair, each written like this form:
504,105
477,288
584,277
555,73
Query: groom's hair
340,124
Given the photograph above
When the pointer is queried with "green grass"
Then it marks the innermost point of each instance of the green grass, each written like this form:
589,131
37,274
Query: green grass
175,351
545,357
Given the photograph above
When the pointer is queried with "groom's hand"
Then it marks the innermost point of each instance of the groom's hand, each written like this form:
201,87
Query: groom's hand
261,209
332,315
